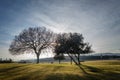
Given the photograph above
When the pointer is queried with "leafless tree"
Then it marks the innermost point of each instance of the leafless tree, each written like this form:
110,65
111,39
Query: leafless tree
33,40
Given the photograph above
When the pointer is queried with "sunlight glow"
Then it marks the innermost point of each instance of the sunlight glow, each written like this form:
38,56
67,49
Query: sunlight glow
59,28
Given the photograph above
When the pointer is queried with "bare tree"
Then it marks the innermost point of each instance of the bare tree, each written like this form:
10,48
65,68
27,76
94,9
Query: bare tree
33,40
73,45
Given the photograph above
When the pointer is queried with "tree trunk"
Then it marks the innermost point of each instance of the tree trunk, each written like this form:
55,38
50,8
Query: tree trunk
59,61
78,59
72,59
37,58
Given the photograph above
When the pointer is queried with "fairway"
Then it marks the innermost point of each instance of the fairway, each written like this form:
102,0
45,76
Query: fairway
89,70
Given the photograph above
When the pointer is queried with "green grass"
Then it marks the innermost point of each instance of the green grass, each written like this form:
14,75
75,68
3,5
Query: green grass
89,70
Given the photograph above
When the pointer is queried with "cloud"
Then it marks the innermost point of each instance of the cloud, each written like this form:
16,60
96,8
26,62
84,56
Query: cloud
97,20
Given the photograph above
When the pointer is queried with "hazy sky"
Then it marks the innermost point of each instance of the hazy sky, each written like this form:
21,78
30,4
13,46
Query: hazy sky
97,20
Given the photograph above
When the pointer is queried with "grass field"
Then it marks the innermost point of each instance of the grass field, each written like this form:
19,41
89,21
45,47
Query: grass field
89,70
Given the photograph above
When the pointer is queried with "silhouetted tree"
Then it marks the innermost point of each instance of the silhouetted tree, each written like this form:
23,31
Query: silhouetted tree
59,57
32,40
6,60
10,60
73,45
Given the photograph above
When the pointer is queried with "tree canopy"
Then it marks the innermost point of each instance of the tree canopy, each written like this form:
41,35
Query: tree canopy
36,39
73,45
33,40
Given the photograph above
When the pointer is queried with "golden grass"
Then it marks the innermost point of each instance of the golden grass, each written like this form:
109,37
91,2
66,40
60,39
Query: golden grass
89,70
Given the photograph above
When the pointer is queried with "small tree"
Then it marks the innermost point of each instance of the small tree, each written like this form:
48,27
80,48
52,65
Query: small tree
73,45
10,60
59,57
33,40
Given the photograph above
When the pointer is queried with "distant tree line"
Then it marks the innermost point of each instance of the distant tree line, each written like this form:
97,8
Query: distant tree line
37,39
108,57
6,60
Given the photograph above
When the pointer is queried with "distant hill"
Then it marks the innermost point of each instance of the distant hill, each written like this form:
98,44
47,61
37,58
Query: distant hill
84,57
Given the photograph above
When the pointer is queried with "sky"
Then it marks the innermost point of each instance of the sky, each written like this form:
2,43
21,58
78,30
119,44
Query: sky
97,20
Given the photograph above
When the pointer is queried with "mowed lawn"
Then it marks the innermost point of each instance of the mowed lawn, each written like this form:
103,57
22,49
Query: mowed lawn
89,70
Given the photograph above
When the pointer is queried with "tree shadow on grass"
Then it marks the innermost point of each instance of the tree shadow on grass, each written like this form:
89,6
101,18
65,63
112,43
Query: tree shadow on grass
86,69
36,74
90,73
93,73
92,69
104,76
46,74
12,71
10,68
83,70
60,76
57,68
